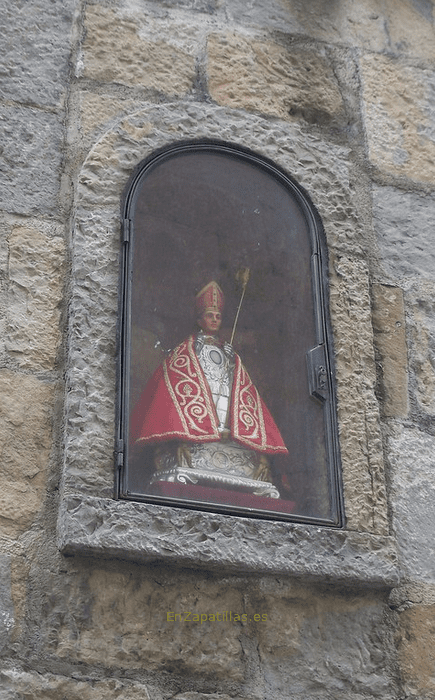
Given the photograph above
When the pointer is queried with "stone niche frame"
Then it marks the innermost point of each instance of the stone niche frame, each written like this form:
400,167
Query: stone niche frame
215,225
91,521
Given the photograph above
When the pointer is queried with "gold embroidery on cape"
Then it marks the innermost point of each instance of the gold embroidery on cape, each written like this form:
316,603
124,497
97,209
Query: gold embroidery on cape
262,426
249,407
173,397
188,391
249,418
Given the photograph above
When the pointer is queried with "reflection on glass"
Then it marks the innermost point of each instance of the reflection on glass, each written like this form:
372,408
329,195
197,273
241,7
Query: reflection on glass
210,230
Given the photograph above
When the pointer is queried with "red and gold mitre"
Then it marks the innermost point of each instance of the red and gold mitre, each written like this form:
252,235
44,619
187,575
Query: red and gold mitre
210,298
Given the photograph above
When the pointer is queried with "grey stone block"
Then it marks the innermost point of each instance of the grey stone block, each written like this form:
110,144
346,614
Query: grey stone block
404,222
348,651
412,456
152,533
6,606
30,160
35,50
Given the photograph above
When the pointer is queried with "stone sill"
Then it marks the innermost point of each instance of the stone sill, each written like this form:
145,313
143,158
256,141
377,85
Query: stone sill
151,533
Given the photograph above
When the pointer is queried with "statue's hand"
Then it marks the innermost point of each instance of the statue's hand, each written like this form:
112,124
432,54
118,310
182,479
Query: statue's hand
263,472
229,352
199,344
184,457
226,435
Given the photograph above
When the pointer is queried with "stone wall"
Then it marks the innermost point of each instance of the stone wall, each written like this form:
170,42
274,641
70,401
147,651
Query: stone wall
341,95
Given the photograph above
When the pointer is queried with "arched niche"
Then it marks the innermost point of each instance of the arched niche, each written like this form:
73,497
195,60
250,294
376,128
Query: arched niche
205,210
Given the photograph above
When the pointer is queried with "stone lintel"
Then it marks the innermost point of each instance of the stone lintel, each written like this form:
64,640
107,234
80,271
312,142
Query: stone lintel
150,533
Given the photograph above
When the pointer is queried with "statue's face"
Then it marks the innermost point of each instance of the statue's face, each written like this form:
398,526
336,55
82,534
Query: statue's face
210,321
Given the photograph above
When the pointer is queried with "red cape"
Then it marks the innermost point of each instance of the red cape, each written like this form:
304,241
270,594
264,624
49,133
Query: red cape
177,404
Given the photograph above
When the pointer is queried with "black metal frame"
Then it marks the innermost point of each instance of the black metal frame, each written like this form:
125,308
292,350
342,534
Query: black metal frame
320,360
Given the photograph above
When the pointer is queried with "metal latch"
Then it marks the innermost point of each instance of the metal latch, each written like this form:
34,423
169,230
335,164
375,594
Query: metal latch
317,372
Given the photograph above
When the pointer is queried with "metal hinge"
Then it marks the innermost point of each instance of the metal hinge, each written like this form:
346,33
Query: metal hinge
126,230
120,454
317,372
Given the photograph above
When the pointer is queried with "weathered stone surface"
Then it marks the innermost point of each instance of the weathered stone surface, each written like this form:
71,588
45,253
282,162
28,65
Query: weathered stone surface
30,160
6,606
411,455
411,594
92,371
416,651
404,223
404,26
4,252
25,443
4,231
146,532
271,79
399,105
297,629
120,48
201,696
420,299
138,629
390,340
36,273
114,617
410,27
358,412
193,7
35,45
319,167
110,619
17,684
345,639
19,581
97,110
398,26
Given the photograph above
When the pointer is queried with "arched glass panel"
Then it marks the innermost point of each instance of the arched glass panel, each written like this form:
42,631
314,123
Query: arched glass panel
211,416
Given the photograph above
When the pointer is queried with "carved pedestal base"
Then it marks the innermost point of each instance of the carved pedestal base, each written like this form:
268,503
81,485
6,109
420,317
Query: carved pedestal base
214,479
224,465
